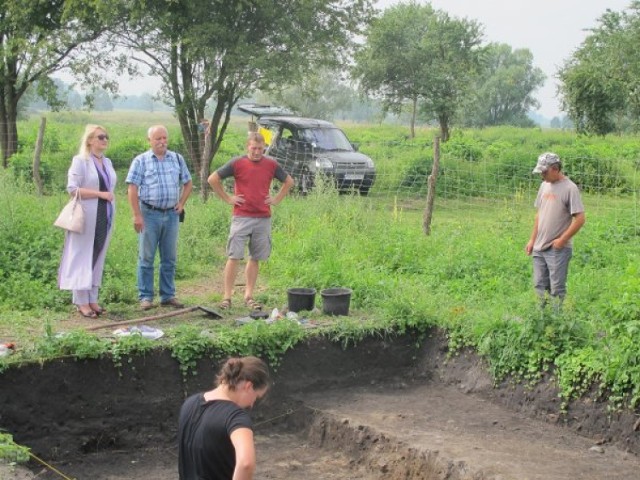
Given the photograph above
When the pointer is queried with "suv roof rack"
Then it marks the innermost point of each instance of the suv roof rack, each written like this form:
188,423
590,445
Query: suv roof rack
260,110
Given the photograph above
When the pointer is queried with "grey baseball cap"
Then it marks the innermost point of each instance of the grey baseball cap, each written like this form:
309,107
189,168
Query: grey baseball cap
545,161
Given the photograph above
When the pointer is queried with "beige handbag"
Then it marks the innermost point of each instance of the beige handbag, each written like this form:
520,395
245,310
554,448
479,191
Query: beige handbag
71,217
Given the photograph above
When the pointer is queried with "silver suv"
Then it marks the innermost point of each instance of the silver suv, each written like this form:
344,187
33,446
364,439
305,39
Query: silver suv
306,148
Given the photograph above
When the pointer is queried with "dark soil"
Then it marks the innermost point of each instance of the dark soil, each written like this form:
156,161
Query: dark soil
381,409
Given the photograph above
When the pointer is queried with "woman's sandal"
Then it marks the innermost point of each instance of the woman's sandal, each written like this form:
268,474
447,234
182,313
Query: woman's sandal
92,314
225,304
99,311
252,304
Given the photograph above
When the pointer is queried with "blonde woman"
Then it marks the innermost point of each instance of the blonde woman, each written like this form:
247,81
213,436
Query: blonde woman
91,175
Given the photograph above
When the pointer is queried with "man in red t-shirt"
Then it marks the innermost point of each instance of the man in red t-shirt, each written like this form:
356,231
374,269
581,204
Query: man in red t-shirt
251,220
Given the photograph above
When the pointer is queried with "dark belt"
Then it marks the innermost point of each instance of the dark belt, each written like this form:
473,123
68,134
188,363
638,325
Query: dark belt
152,207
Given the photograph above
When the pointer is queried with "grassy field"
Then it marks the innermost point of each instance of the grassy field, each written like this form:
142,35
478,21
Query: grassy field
470,276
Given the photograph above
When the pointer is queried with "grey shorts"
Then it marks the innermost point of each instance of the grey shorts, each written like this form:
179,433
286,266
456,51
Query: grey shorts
256,232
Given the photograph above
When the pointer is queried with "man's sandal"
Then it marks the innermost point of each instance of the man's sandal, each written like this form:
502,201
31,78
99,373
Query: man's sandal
225,304
252,304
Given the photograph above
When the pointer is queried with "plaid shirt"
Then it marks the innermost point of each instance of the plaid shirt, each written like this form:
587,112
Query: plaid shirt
159,182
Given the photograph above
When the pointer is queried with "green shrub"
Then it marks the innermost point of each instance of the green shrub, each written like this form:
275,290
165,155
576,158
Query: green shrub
596,175
463,148
122,151
416,175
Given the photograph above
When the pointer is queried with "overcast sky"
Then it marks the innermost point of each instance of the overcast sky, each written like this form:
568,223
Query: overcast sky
551,29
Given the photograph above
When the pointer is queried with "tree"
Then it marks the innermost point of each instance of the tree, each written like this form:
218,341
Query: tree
63,92
38,38
504,90
600,83
222,50
146,102
320,94
422,57
101,101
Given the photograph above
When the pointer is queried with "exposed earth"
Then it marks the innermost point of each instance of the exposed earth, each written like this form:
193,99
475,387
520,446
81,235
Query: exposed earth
382,409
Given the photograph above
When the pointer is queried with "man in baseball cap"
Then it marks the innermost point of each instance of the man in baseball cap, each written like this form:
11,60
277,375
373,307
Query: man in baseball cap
560,215
545,161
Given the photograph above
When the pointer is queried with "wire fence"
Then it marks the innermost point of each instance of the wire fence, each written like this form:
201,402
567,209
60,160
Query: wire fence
391,170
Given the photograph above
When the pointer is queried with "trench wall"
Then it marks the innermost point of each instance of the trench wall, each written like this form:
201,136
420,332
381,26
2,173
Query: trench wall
65,407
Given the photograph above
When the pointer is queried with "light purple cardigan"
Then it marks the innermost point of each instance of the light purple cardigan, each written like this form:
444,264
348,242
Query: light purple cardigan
76,272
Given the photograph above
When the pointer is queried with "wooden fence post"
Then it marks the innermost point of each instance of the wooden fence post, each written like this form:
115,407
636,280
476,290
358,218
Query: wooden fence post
431,190
36,157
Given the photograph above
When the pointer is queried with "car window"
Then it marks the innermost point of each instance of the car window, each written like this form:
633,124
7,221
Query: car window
287,133
325,138
284,138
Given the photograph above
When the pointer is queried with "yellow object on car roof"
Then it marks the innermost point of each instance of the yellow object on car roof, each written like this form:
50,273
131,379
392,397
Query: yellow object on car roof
267,134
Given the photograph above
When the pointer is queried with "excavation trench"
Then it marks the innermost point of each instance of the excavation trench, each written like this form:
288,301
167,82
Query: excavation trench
382,409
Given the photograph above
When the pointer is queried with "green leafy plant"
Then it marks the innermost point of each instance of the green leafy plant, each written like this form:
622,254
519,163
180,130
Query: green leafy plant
77,343
10,451
188,344
127,346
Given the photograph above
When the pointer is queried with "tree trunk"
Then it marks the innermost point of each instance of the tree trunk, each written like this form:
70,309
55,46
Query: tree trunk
444,127
188,123
180,80
8,130
414,114
217,128
3,130
189,108
36,157
431,191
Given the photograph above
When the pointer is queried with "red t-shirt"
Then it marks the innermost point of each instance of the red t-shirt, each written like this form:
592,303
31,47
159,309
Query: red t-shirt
253,182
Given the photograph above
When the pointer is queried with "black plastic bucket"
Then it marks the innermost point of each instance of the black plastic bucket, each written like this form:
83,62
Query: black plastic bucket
335,301
301,299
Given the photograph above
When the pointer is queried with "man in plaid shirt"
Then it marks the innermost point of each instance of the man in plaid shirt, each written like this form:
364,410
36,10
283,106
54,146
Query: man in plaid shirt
159,186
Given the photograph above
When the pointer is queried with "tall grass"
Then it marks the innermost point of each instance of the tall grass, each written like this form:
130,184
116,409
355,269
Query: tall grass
470,276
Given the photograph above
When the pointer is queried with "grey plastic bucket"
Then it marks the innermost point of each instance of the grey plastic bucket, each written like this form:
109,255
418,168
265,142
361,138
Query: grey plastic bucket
335,301
301,299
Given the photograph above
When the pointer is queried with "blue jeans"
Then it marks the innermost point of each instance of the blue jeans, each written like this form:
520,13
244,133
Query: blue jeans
160,233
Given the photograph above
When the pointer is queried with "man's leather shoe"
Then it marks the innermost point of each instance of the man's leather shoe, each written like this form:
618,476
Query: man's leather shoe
172,303
146,304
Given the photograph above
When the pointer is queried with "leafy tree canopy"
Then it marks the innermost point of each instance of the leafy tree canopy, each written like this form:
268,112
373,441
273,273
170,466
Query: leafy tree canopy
39,38
600,86
505,88
418,55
